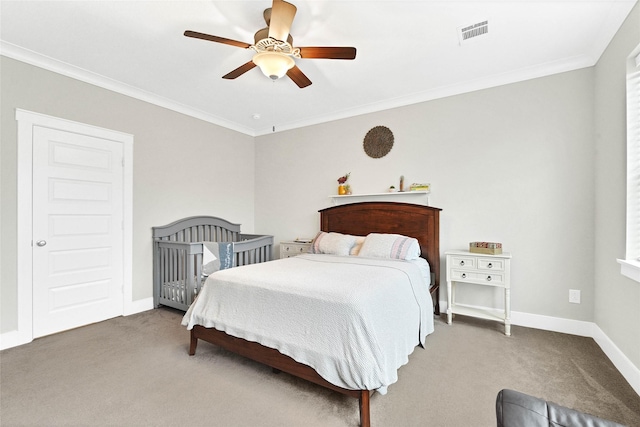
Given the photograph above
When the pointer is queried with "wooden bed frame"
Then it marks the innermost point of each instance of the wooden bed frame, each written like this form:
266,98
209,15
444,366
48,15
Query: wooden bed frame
421,222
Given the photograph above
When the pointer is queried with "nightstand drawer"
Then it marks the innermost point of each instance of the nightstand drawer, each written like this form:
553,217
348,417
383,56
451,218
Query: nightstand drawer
477,277
463,262
490,264
289,249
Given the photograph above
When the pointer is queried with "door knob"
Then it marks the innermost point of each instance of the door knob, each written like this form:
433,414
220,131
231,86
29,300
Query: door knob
41,242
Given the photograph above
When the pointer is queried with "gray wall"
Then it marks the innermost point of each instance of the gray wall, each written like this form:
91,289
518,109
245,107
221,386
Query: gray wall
182,166
512,164
617,310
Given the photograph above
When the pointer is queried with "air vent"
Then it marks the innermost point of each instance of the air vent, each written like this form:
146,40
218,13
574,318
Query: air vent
469,32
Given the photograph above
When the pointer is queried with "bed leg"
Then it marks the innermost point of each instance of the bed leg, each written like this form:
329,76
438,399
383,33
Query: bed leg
435,297
365,419
193,344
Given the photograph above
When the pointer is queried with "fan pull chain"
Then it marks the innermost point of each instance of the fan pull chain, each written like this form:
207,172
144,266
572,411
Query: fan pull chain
273,109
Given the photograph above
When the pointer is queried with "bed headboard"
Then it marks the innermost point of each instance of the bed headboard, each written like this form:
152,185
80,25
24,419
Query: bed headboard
421,222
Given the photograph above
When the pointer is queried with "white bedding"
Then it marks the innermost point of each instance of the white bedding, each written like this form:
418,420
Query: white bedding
354,320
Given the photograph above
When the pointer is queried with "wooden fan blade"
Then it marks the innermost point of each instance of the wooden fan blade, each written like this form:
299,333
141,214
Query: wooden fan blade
328,52
298,77
239,71
282,14
216,39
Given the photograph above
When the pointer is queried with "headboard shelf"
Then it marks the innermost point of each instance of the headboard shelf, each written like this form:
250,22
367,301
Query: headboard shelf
395,195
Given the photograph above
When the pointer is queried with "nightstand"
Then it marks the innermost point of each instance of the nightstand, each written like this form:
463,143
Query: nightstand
484,270
289,249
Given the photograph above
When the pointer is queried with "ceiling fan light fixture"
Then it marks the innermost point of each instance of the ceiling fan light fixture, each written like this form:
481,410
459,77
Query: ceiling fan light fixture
273,64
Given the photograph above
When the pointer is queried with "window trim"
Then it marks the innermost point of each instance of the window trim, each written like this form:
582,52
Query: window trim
630,266
630,269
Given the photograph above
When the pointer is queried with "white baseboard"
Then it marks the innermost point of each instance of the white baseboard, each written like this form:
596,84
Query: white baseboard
629,371
10,339
14,338
138,306
555,324
622,363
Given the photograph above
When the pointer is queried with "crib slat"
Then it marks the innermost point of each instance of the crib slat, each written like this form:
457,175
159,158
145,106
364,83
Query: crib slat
167,291
169,262
181,277
169,272
188,280
198,277
163,274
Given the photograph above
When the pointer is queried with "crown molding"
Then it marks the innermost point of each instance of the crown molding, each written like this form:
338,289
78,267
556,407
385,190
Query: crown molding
42,61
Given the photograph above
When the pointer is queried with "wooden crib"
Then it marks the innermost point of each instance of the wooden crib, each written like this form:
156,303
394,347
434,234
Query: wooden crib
178,255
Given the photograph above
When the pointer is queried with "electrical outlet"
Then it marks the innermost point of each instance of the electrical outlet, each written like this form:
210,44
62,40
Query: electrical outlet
574,296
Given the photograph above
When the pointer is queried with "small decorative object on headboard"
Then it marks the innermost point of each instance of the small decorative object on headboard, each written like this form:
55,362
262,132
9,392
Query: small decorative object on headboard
343,188
378,142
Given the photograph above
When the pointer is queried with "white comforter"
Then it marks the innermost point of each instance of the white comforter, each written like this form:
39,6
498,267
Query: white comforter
354,320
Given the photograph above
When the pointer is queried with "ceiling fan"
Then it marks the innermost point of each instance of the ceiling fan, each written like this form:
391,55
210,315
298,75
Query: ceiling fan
274,47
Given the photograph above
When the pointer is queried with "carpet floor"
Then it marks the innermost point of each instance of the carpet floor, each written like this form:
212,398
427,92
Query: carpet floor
135,371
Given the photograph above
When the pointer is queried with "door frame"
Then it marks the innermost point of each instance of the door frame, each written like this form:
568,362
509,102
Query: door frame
26,121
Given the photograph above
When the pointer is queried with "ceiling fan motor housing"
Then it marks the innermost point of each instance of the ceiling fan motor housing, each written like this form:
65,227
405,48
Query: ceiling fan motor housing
264,34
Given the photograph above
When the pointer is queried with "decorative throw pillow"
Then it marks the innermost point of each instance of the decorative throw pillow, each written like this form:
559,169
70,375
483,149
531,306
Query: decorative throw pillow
393,246
332,243
355,250
216,256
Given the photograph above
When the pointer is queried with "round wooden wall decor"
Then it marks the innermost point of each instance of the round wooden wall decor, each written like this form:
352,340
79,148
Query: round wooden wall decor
378,142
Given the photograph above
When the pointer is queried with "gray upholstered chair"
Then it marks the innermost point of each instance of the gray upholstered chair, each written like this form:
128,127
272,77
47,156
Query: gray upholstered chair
515,409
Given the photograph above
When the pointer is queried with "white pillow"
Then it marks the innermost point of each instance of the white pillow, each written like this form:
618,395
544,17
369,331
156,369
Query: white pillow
332,243
393,246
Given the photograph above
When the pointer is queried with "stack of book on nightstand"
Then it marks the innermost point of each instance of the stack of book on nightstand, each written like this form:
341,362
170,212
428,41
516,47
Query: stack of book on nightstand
490,248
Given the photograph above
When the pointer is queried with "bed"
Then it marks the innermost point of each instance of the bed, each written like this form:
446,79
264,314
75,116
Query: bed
316,364
186,251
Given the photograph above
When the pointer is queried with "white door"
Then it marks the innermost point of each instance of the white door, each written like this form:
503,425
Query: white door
78,207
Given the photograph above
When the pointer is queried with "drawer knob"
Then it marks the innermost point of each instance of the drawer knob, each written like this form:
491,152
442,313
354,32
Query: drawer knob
490,265
462,262
464,275
488,278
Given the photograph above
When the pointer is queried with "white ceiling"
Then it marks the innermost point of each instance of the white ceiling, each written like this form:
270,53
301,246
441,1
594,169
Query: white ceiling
407,51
